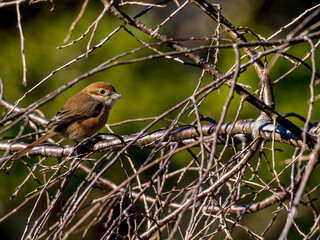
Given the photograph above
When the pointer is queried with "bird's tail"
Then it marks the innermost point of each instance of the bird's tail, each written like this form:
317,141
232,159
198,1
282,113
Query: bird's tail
23,152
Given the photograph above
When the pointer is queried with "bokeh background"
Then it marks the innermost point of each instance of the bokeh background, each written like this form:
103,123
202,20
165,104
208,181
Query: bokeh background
148,88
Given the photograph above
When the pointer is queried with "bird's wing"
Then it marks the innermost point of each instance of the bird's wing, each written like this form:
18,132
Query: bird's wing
78,108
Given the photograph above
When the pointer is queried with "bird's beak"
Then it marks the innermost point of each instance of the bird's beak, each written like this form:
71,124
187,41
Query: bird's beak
116,96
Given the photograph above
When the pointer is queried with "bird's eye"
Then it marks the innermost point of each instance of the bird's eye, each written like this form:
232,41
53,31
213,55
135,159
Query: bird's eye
101,91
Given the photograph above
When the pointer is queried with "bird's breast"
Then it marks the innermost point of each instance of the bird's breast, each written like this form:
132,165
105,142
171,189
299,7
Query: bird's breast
79,130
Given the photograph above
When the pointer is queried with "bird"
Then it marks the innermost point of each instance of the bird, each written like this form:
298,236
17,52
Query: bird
81,117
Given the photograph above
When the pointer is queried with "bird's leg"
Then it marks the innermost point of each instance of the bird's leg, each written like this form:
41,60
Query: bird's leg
86,145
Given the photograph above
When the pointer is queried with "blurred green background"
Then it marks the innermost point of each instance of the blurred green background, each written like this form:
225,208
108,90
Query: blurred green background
148,88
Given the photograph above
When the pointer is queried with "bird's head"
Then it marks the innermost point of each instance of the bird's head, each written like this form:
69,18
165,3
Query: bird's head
103,92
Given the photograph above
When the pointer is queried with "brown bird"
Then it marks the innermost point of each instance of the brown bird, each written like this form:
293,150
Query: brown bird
82,116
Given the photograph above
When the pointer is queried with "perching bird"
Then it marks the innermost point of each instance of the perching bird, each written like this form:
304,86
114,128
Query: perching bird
82,116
